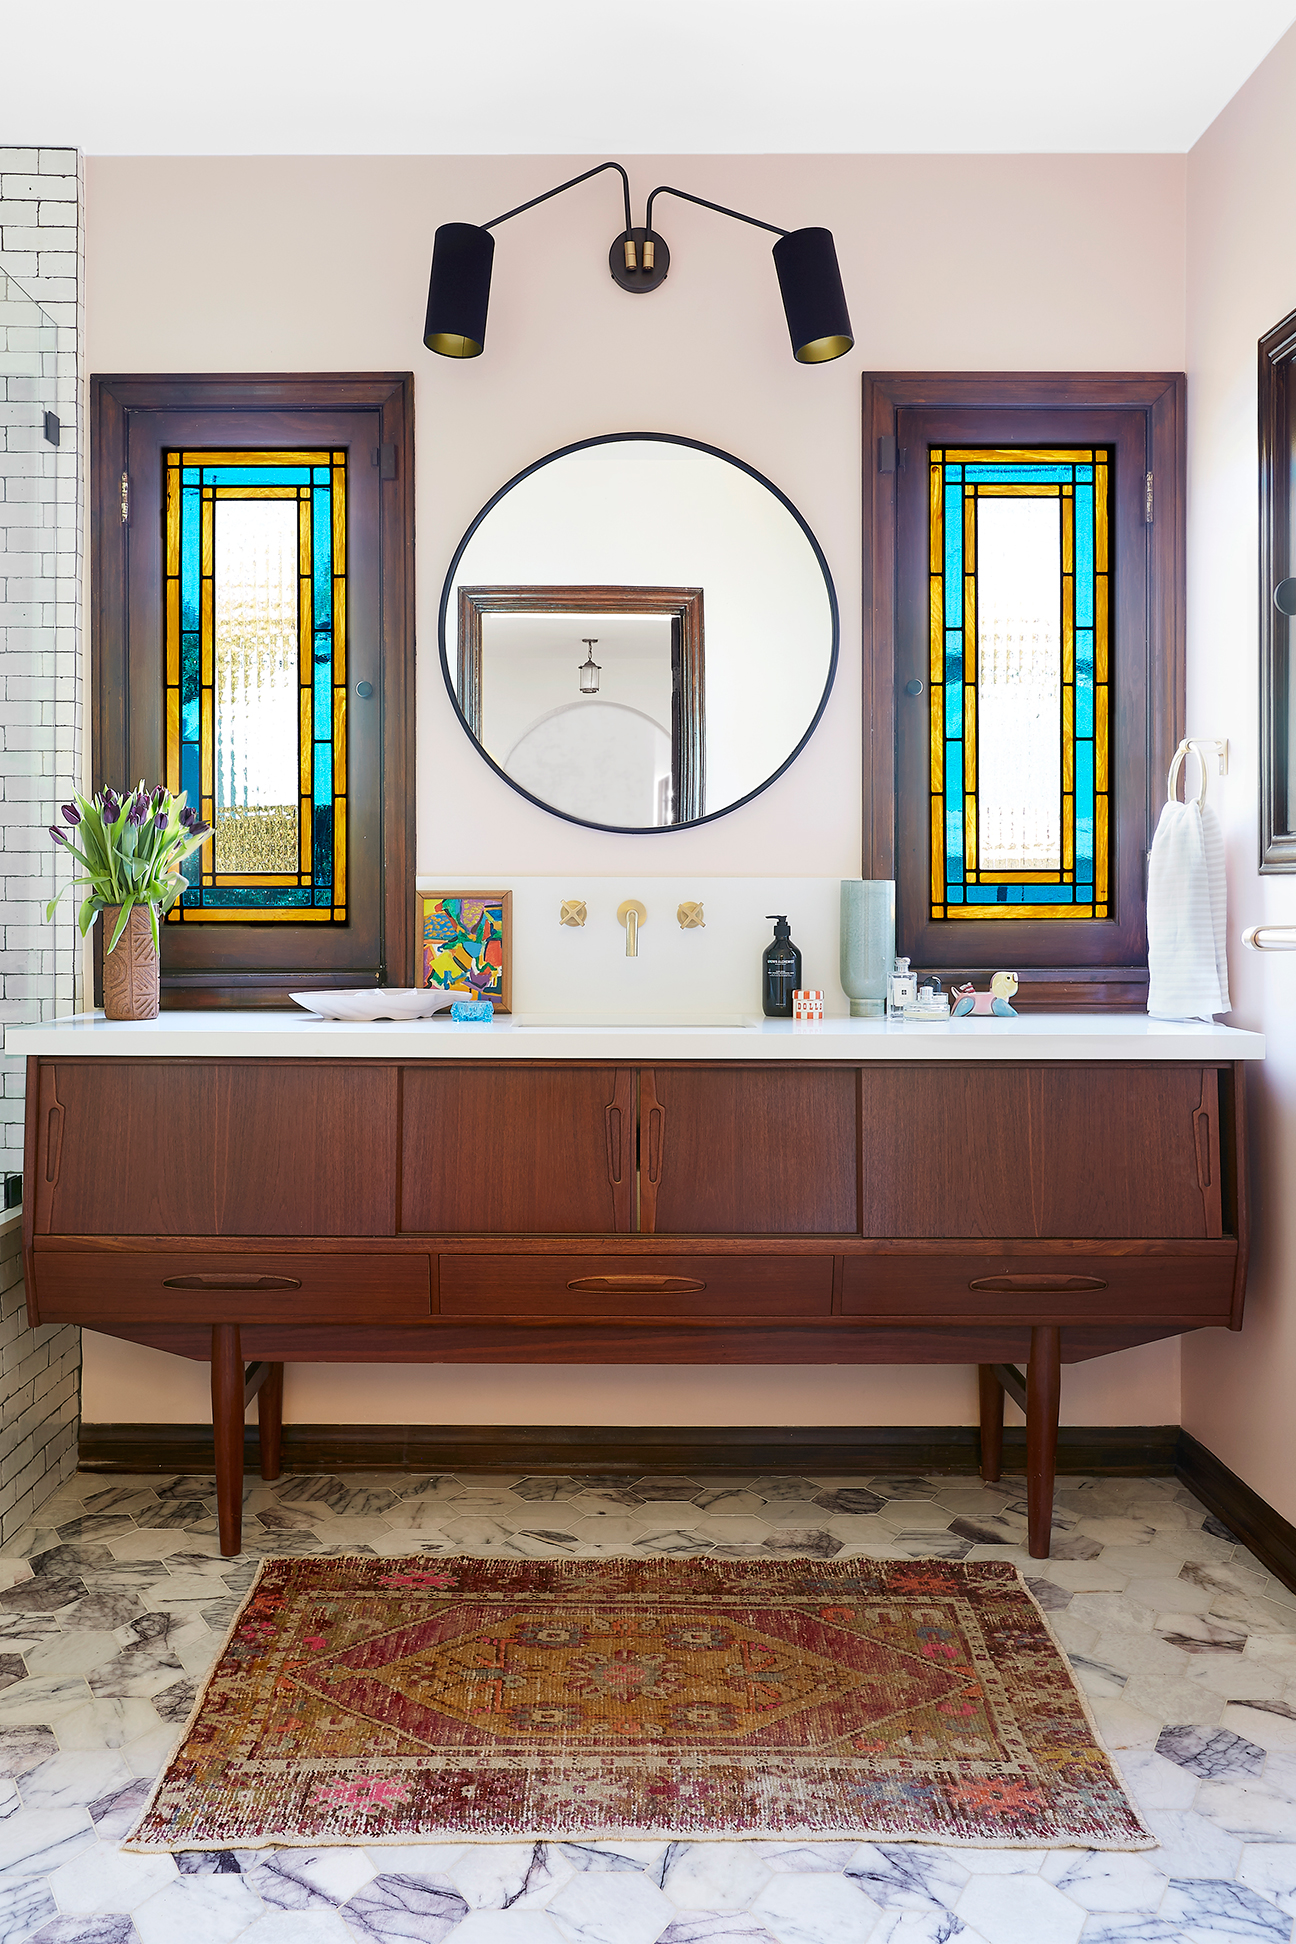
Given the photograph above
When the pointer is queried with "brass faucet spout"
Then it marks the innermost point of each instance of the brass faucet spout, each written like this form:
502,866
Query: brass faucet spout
631,914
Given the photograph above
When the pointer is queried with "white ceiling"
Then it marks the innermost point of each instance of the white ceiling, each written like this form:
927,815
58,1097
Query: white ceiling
584,77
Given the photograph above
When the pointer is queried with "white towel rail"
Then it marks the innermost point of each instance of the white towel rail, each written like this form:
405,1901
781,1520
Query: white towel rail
1270,938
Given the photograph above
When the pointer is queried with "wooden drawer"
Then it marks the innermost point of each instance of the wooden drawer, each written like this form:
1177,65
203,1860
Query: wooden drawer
631,1289
173,1286
1192,1288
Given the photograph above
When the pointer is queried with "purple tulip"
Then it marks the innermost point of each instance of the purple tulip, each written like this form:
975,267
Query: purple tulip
188,817
137,814
57,834
201,830
111,808
160,821
70,813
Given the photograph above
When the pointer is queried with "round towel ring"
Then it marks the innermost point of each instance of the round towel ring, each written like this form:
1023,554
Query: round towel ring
1176,764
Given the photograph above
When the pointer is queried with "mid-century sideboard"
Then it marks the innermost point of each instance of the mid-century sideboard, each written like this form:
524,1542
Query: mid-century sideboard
254,1189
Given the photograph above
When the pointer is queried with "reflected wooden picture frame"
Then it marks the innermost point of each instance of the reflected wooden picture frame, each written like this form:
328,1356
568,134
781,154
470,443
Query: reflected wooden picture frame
460,937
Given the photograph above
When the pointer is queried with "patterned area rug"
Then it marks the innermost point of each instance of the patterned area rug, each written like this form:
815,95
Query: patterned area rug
372,1701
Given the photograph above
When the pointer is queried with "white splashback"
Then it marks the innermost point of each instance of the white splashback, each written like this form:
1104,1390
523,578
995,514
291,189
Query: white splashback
557,968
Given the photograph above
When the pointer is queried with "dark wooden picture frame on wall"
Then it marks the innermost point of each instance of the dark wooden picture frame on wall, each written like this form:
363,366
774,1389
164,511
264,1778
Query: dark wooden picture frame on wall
1277,453
683,606
141,426
1139,417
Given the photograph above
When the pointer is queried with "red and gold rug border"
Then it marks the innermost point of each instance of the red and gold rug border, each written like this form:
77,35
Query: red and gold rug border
848,1833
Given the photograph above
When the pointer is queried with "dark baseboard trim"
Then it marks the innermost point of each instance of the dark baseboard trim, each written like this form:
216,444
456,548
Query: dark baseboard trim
1249,1517
1111,1450
1117,1449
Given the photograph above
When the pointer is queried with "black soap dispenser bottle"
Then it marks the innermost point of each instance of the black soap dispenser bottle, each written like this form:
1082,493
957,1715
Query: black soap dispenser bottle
780,971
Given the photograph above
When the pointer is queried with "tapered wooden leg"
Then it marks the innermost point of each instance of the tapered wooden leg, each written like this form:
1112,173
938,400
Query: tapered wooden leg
992,1398
1043,1389
270,1420
227,1426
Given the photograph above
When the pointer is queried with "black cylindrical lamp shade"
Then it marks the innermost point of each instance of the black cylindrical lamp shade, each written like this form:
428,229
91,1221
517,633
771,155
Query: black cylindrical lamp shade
459,290
813,298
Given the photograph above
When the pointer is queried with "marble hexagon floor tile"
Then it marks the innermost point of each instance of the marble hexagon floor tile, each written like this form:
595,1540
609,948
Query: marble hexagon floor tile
113,1608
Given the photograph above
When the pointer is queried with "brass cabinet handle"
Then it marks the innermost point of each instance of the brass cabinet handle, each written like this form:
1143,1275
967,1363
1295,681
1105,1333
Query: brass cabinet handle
649,1285
1043,1285
231,1282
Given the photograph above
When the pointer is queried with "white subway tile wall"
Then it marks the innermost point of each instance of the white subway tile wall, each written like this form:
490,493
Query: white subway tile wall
41,541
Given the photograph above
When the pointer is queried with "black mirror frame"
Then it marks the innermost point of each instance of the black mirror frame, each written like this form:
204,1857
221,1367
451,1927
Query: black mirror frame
1277,400
621,438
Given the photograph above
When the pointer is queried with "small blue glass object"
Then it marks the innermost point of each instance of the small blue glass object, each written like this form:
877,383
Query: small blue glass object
472,1009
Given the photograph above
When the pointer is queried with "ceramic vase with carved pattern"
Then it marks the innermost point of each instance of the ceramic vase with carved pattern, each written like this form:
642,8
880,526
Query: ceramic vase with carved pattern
867,943
131,969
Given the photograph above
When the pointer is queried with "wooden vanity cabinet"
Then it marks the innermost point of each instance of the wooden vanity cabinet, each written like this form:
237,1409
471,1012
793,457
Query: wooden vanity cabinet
773,1212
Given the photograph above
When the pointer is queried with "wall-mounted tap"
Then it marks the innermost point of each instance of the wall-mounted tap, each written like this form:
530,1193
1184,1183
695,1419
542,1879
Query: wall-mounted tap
631,914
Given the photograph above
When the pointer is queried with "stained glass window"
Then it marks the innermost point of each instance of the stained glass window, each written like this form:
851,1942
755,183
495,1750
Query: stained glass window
1020,708
255,656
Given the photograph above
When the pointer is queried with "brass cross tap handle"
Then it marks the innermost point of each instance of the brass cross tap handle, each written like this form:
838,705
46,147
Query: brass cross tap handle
690,917
572,912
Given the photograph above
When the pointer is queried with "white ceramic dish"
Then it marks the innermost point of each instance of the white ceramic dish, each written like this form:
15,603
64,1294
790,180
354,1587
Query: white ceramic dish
377,1002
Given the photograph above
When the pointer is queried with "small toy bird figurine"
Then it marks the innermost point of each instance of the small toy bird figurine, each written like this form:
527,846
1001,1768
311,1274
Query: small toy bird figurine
968,1001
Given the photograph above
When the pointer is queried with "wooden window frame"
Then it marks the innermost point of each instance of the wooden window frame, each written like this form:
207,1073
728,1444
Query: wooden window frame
113,398
1277,397
1099,985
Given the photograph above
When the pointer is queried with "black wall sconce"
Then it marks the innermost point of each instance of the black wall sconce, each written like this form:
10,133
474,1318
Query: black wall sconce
805,259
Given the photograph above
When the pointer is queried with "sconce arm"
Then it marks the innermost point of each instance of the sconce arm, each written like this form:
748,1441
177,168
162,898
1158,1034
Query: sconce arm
666,190
597,170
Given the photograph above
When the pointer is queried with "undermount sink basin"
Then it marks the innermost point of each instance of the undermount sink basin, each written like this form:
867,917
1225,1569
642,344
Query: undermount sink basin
657,1022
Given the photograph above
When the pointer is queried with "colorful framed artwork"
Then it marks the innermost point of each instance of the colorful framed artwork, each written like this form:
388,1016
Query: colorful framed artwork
465,943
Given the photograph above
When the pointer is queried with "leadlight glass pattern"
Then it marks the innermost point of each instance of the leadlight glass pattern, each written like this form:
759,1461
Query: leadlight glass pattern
1020,696
255,670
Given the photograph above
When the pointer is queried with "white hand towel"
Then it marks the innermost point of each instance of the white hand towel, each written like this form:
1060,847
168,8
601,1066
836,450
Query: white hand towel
1187,965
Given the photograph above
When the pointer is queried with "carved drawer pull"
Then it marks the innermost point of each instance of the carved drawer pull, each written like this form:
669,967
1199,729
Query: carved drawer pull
646,1285
1043,1285
231,1282
1202,1144
53,1142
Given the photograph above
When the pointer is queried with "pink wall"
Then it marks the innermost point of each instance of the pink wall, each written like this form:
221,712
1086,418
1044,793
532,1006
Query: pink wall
1237,1391
949,262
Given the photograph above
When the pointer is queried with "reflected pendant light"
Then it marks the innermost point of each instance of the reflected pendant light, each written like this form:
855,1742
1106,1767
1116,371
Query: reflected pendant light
589,670
805,260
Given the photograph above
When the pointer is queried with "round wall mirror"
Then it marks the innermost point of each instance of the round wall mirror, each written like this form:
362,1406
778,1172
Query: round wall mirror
639,632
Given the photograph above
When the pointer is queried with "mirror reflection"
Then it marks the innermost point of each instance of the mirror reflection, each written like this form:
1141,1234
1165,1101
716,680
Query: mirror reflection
639,633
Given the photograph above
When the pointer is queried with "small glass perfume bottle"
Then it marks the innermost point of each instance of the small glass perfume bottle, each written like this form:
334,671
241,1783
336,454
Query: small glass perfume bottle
902,989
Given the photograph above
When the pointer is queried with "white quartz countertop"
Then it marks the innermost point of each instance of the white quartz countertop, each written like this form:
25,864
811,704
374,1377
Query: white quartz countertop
302,1036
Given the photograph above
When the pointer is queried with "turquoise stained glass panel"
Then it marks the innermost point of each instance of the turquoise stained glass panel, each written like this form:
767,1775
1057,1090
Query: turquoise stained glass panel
1020,692
255,680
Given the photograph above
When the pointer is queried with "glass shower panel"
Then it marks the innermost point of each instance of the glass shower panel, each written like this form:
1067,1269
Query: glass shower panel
39,579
